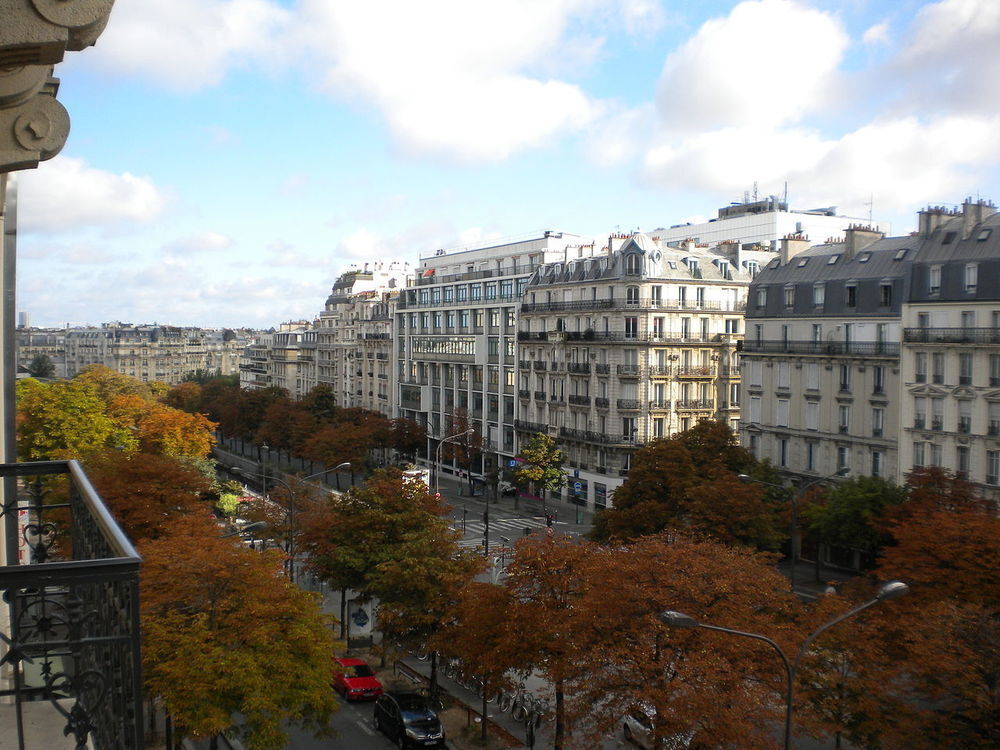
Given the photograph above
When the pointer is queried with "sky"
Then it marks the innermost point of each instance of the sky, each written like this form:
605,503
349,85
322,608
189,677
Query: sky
228,159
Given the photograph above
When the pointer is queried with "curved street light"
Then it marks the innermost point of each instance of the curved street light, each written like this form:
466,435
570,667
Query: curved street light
794,500
290,540
890,590
437,457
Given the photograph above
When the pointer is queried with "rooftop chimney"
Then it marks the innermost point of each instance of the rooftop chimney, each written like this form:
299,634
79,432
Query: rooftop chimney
857,238
931,218
791,245
973,214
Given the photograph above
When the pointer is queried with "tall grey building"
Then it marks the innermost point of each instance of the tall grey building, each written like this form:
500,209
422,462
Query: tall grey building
456,338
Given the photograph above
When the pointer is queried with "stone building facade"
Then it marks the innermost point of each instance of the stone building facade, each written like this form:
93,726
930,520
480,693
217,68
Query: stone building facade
633,342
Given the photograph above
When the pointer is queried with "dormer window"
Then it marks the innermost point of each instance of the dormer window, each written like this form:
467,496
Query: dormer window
832,259
632,264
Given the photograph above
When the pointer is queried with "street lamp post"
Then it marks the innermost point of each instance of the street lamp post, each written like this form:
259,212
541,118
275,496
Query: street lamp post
887,591
437,457
796,496
290,540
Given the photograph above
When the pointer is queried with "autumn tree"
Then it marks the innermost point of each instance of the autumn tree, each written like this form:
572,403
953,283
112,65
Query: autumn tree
467,446
691,481
224,634
546,581
321,401
252,405
541,463
369,538
146,492
724,690
408,437
65,419
185,396
286,425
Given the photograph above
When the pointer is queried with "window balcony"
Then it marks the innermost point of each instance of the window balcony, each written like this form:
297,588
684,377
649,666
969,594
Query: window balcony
629,404
72,612
604,369
579,400
951,335
629,371
579,368
602,403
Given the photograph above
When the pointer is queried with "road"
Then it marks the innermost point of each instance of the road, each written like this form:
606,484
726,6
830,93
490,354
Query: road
353,725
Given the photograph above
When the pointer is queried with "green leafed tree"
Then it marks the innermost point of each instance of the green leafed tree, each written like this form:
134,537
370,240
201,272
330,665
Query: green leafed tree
540,462
41,366
853,514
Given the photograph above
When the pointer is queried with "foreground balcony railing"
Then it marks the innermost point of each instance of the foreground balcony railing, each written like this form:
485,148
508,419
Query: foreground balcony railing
69,631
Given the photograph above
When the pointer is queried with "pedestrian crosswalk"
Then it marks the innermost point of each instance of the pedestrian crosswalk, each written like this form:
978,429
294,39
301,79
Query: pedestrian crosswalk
512,528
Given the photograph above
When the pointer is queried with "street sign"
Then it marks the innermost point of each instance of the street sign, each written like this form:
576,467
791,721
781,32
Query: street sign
512,463
577,486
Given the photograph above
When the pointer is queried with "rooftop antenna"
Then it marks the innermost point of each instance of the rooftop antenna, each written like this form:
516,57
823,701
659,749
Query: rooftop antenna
870,204
784,198
755,191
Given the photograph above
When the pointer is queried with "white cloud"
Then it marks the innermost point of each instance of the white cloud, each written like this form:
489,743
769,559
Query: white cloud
642,17
876,34
200,242
772,60
66,194
950,60
187,45
451,77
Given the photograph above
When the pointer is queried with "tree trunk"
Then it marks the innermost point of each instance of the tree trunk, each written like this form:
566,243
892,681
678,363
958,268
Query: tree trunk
433,686
557,742
343,614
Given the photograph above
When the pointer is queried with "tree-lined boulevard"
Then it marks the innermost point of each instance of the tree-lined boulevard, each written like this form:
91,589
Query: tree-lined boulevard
227,634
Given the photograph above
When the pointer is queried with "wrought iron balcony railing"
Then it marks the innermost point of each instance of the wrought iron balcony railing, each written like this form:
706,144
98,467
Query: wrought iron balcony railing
72,596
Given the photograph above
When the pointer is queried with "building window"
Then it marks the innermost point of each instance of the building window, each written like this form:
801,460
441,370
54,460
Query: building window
843,457
995,369
783,451
878,421
632,296
937,414
962,461
632,264
992,467
885,294
852,295
819,294
919,413
812,377
965,368
844,418
811,456
631,327
934,280
876,463
812,415
968,319
935,457
937,367
971,277
789,297
965,416
920,367
658,427
783,375
878,379
993,428
918,454
845,377
762,296
781,412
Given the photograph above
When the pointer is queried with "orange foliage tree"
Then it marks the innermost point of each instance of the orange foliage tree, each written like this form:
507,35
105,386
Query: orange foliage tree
721,690
147,493
224,633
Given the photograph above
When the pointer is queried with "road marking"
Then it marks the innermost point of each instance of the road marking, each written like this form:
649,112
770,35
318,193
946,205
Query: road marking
363,724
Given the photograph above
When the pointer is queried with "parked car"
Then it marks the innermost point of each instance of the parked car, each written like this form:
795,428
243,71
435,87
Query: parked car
355,680
408,719
637,726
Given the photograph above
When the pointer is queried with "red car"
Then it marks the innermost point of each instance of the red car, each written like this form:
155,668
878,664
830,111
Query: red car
355,680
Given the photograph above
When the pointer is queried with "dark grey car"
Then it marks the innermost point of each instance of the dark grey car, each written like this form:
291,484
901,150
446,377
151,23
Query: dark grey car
408,719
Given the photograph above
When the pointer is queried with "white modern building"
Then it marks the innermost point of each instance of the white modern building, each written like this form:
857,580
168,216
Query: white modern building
765,222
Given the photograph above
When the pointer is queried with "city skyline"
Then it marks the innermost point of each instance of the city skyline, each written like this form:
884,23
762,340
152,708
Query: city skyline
228,159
